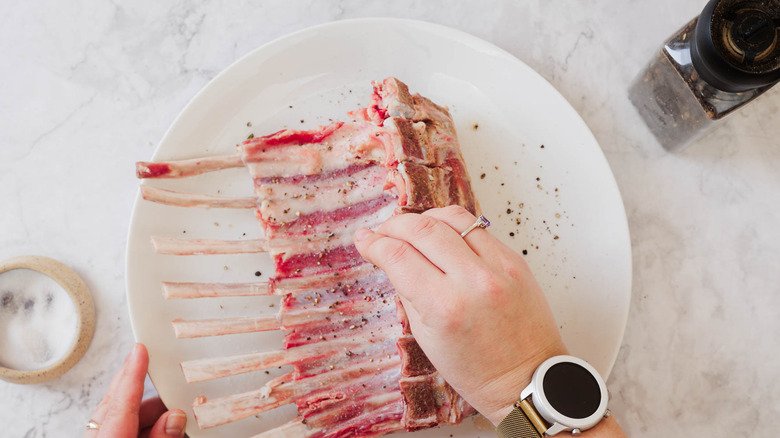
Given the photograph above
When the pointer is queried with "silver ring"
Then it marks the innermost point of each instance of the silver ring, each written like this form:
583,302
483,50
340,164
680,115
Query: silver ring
481,222
93,425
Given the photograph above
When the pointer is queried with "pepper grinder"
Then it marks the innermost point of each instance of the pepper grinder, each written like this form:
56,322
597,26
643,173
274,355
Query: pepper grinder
720,61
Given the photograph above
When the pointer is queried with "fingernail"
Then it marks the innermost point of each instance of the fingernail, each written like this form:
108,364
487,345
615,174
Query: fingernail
133,353
129,356
174,424
362,233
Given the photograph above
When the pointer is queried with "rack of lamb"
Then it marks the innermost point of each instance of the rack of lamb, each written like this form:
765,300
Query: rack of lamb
356,369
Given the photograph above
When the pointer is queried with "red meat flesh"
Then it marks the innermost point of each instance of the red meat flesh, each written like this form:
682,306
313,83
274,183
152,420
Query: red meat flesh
416,141
357,371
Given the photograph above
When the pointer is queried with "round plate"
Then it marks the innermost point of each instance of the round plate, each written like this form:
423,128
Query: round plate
537,170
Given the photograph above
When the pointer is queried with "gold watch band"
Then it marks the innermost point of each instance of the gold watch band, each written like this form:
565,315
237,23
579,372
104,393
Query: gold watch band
522,422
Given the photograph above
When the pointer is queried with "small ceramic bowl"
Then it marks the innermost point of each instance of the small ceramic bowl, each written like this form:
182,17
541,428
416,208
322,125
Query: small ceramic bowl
85,312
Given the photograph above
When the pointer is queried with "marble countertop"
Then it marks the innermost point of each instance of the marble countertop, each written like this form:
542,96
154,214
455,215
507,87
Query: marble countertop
90,86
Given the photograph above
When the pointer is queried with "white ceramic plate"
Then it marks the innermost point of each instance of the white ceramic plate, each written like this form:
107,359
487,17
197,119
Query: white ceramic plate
572,222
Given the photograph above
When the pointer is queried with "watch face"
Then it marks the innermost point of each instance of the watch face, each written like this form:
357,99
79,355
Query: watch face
572,390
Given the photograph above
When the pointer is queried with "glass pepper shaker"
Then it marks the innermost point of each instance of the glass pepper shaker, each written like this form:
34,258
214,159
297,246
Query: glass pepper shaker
720,61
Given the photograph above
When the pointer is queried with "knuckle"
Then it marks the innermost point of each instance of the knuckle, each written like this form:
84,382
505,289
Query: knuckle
482,276
513,271
394,221
491,287
103,405
455,211
120,411
394,252
517,268
447,316
453,315
424,226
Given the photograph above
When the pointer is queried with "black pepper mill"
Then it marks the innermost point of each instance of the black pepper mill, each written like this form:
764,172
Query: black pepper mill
723,59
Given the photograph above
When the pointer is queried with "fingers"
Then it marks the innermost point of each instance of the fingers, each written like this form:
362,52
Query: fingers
409,271
131,389
435,240
170,425
459,219
479,239
103,407
121,417
121,413
100,412
150,412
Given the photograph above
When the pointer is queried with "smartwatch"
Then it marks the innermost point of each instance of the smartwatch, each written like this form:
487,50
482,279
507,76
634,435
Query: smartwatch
566,394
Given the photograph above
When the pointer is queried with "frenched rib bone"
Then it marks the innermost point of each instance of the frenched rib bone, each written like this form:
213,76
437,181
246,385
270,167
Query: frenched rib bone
183,168
169,197
174,290
306,390
175,246
214,368
226,326
357,370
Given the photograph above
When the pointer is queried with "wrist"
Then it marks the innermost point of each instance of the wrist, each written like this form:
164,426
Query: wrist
607,427
505,390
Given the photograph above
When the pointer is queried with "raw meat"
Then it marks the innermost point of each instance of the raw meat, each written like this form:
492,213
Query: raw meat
357,371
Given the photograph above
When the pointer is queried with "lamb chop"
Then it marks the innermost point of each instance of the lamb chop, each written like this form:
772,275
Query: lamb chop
357,370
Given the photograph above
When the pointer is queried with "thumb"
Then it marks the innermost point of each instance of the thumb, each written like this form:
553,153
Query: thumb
169,425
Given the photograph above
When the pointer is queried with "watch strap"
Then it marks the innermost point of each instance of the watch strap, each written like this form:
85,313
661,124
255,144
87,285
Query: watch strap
522,422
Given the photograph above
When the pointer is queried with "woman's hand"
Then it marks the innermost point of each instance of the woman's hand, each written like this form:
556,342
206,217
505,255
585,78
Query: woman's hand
122,415
473,304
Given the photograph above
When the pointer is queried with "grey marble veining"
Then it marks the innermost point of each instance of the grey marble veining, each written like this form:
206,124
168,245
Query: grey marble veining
89,87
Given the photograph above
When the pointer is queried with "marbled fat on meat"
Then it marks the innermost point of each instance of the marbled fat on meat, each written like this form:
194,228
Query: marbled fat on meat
357,371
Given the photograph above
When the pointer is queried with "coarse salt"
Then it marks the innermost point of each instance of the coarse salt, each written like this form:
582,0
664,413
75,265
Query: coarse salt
38,321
